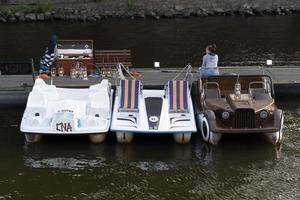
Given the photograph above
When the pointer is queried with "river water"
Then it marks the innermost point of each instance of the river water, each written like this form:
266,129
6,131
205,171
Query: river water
240,167
173,42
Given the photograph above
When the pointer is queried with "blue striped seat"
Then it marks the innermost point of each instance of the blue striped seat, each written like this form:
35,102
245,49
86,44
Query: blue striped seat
129,95
178,96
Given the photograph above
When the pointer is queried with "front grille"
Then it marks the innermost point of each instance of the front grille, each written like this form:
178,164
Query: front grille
244,118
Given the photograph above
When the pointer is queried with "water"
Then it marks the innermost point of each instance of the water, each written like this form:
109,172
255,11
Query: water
150,167
174,42
156,167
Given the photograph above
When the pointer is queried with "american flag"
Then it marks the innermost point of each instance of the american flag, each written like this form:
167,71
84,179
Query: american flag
48,58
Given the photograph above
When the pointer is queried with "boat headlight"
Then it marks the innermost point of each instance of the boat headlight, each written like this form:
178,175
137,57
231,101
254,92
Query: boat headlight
225,115
263,114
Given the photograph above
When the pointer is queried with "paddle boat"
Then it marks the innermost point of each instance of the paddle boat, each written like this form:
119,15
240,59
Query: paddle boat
237,104
63,111
153,111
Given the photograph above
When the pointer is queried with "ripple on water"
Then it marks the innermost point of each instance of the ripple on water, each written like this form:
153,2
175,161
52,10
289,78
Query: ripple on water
64,163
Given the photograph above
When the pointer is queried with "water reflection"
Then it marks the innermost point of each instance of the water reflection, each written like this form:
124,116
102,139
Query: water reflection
64,153
245,148
148,154
154,154
78,153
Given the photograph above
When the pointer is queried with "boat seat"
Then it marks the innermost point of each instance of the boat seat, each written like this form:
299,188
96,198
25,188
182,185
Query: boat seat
212,93
129,95
178,96
259,93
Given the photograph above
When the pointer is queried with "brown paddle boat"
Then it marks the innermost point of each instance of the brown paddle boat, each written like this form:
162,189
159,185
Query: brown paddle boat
237,104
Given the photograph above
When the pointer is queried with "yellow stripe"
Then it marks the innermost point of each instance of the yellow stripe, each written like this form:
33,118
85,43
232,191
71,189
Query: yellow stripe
181,96
132,93
126,95
174,96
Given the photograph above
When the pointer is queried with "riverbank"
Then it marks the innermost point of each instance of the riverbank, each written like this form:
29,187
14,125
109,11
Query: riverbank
81,11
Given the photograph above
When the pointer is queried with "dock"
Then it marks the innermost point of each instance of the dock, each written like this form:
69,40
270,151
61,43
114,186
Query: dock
14,89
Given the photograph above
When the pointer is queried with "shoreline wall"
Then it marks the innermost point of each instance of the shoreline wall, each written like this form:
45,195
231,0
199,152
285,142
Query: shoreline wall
95,10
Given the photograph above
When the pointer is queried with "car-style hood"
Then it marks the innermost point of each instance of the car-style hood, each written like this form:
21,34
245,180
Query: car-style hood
232,104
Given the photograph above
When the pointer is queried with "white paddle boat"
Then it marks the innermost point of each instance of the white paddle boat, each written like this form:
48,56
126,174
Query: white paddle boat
64,111
153,111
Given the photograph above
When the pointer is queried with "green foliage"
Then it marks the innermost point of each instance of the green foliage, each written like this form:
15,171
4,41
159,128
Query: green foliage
44,6
41,7
22,9
130,4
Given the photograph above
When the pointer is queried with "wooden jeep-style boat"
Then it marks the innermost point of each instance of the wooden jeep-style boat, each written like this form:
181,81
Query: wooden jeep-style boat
237,104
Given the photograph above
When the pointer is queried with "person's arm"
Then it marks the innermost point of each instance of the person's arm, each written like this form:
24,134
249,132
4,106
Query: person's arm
204,60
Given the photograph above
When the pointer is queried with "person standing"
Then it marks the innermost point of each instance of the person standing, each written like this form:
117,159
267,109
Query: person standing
210,60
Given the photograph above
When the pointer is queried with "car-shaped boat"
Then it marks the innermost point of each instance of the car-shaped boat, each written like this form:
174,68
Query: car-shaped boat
153,111
67,111
237,104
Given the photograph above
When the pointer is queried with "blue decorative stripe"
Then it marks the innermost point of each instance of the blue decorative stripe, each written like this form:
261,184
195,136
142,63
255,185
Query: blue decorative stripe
178,94
185,93
122,93
171,94
129,93
136,99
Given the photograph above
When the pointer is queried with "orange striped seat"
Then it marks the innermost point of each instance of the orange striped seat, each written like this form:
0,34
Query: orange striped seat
129,96
178,96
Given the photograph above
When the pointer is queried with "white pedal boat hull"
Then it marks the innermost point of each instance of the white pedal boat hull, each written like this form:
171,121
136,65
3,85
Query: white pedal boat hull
64,111
147,120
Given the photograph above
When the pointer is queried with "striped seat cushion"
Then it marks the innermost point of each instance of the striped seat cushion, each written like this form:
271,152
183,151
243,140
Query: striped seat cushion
129,97
178,96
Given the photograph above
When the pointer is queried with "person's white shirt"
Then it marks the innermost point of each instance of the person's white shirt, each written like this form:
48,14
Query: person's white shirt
210,61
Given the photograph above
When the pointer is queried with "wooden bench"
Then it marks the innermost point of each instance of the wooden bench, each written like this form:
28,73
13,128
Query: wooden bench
107,60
